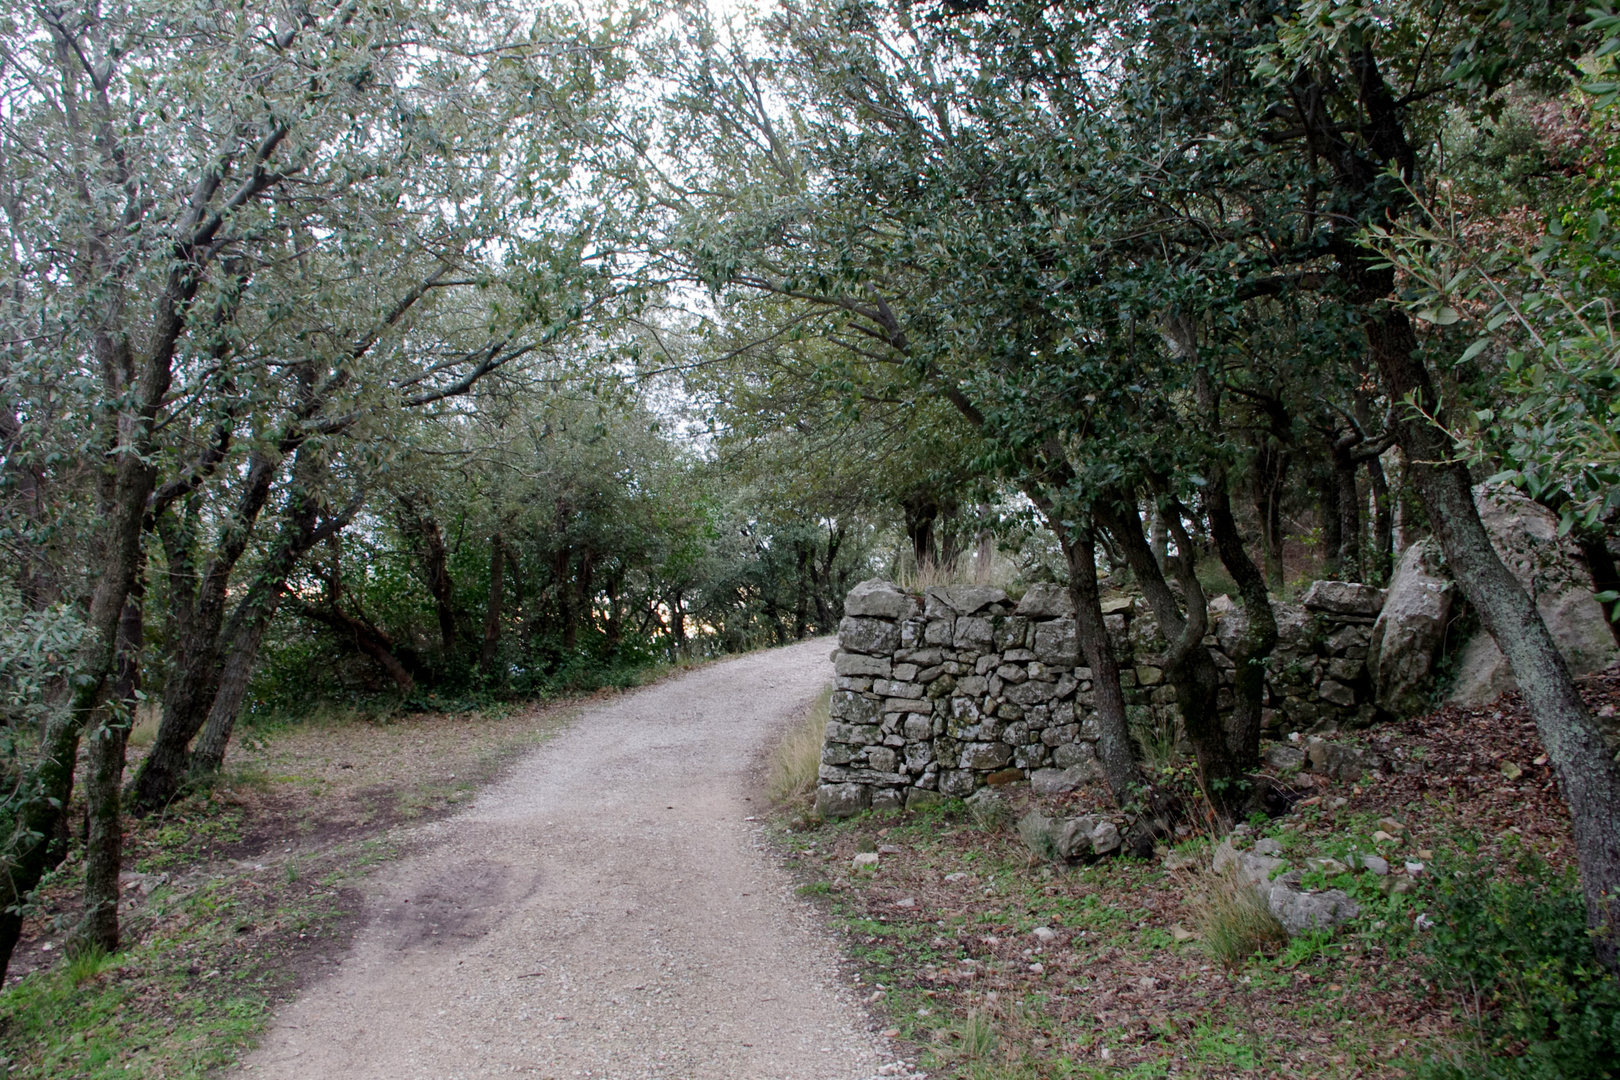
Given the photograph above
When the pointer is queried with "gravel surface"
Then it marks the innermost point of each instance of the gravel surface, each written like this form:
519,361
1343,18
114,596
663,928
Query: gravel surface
607,910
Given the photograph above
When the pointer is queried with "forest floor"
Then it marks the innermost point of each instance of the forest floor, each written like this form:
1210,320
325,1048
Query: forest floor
991,963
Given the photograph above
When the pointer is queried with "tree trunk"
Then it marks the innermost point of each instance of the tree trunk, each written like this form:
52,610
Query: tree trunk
801,603
1119,767
492,611
1327,513
1187,663
1587,771
1259,635
209,755
104,777
437,566
1382,560
1348,505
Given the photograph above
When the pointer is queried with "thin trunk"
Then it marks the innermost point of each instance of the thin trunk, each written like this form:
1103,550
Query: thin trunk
1159,538
1327,513
1188,666
209,755
104,777
1347,504
436,566
1587,771
1120,771
801,603
1382,558
492,612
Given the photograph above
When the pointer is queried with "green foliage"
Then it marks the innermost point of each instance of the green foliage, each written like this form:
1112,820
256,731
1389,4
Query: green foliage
1516,948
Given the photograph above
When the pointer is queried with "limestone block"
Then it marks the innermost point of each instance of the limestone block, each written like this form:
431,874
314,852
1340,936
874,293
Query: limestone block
848,682
836,754
1011,633
881,599
1300,911
957,783
940,631
1060,734
966,599
1011,673
1343,598
919,727
854,708
1351,635
918,756
1345,670
906,672
917,798
849,663
881,758
1056,644
874,636
985,756
893,688
974,633
853,734
1072,754
889,798
1046,601
971,686
1336,693
842,800
907,705
1030,693
1551,569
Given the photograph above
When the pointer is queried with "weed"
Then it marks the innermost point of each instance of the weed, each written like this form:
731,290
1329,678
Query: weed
976,1037
1234,922
86,963
797,757
1035,828
815,888
1155,738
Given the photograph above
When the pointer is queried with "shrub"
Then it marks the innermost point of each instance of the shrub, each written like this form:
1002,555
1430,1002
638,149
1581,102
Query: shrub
1234,923
1517,948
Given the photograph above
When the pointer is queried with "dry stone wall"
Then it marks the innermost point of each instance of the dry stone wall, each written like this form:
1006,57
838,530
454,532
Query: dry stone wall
941,693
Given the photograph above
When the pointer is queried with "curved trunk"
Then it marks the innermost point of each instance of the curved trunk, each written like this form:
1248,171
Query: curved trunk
1587,771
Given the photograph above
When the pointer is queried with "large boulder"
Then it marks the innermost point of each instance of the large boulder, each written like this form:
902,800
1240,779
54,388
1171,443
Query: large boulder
880,599
1551,569
1410,630
1343,598
1046,601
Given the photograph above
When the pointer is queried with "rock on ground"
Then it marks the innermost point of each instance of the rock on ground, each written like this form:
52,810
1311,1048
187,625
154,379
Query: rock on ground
1526,536
607,909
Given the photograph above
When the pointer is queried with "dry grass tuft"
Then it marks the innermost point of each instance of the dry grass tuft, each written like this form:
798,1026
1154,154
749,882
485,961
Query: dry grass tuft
1234,922
797,758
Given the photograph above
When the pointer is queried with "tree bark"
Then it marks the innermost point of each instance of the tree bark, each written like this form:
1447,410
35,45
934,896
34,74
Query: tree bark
1347,503
104,777
1587,771
1188,666
1327,513
492,612
435,567
1120,771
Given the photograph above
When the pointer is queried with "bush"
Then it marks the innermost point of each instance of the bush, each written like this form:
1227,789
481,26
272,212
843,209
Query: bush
1517,948
1234,922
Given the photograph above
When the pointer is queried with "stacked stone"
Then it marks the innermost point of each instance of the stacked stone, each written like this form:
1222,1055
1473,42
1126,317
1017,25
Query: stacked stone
1317,677
941,694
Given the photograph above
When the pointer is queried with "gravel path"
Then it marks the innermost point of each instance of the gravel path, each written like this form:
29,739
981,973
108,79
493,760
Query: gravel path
607,910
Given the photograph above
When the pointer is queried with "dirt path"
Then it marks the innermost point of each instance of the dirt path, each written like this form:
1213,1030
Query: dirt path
607,910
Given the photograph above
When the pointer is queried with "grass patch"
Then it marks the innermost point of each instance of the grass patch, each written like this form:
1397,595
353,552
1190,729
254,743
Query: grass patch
797,758
1234,923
